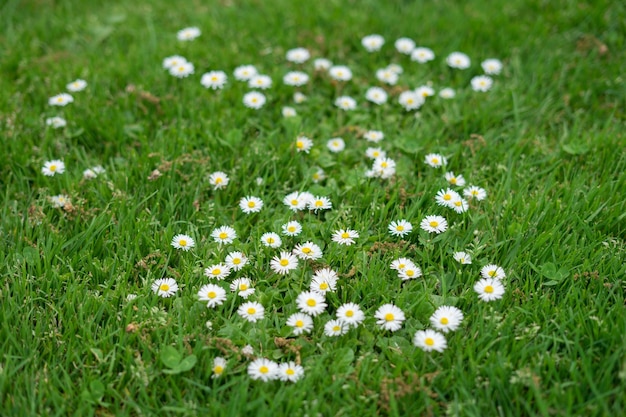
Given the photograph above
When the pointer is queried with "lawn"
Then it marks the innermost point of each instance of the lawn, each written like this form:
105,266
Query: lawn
94,203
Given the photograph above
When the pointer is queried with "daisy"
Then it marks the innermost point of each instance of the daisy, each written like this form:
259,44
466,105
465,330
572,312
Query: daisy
77,85
429,340
340,73
462,258
236,261
62,99
251,311
410,272
296,201
271,240
458,60
296,78
336,145
245,72
292,228
319,203
219,364
410,101
446,318
375,153
303,144
290,371
56,122
345,103
322,64
385,167
301,323
319,175
489,289
289,112
400,228
311,303
481,83
395,68
182,70
425,91
434,224
376,95
188,34
253,100
298,55
389,317
459,205
345,236
456,180
93,172
435,160
447,93
224,234
491,66
51,168
214,79
183,242
323,284
298,97
372,43
387,76
401,264
350,314
165,287
284,263
218,180
242,286
446,197
405,46
473,191
60,200
260,81
247,350
250,204
263,369
173,61
422,55
213,294
492,271
307,250
217,271
335,328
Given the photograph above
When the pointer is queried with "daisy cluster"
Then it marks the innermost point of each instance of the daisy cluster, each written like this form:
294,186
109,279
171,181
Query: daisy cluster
62,100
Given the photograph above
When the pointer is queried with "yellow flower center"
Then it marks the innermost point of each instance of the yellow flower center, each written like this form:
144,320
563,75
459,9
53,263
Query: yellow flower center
349,313
323,286
53,168
251,310
492,273
254,100
60,99
384,165
243,287
444,321
290,371
376,154
311,302
401,266
236,261
251,204
223,235
299,145
264,369
336,328
447,197
218,369
316,176
306,250
284,262
299,323
216,271
489,289
345,235
434,161
434,223
399,228
410,273
292,229
270,240
214,78
294,202
458,203
182,242
452,180
219,180
429,341
164,287
319,203
389,317
410,101
212,294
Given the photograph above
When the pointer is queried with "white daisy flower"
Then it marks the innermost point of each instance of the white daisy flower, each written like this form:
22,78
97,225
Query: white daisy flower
296,78
219,365
492,66
374,136
425,91
52,168
492,271
462,258
456,180
296,201
250,204
435,160
188,34
301,323
340,73
251,311
165,287
405,46
292,228
410,272
56,122
375,153
372,43
298,97
253,100
271,240
429,340
410,100
260,81
213,294
400,228
481,83
303,144
298,55
376,95
173,61
445,197
224,234
335,328
474,192
236,261
289,112
336,145
345,103
389,317
263,369
422,55
345,236
59,201
385,166
489,289
62,99
183,242
77,85
214,79
350,314
459,205
307,250
242,286
447,93
182,70
387,76
434,224
217,271
319,203
290,371
395,68
458,60
247,350
312,303
284,263
446,318
322,64
218,180
319,175
245,72
323,284
401,264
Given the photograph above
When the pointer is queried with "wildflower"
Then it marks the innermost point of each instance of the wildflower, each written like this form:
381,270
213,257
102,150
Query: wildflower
214,79
375,153
253,100
307,250
410,101
218,180
247,350
410,271
311,303
263,369
350,314
290,371
173,61
224,234
213,294
284,263
492,271
251,311
188,34
489,289
319,175
387,76
389,317
292,228
374,136
245,72
447,93
260,81
446,197
93,172
217,271
336,145
335,328
456,180
131,297
434,224
250,204
376,95
475,192
458,60
60,99
289,111
372,43
345,103
271,240
183,242
323,283
400,228
345,236
182,70
425,91
322,64
77,85
303,144
298,55
301,323
242,286
56,122
340,73
459,204
435,160
446,318
51,168
295,78
319,203
462,258
296,201
59,201
422,55
429,340
384,167
219,364
236,261
401,264
298,97
165,287
481,83
405,46
491,66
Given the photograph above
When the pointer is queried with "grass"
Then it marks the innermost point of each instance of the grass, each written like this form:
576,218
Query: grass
546,143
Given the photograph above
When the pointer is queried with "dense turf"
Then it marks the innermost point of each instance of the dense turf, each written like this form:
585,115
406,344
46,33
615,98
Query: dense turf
547,143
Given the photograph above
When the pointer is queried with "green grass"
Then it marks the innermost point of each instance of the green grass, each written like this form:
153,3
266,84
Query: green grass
547,143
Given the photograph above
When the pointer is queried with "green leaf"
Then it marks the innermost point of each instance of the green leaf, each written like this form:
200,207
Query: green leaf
97,390
183,366
170,357
575,148
550,271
